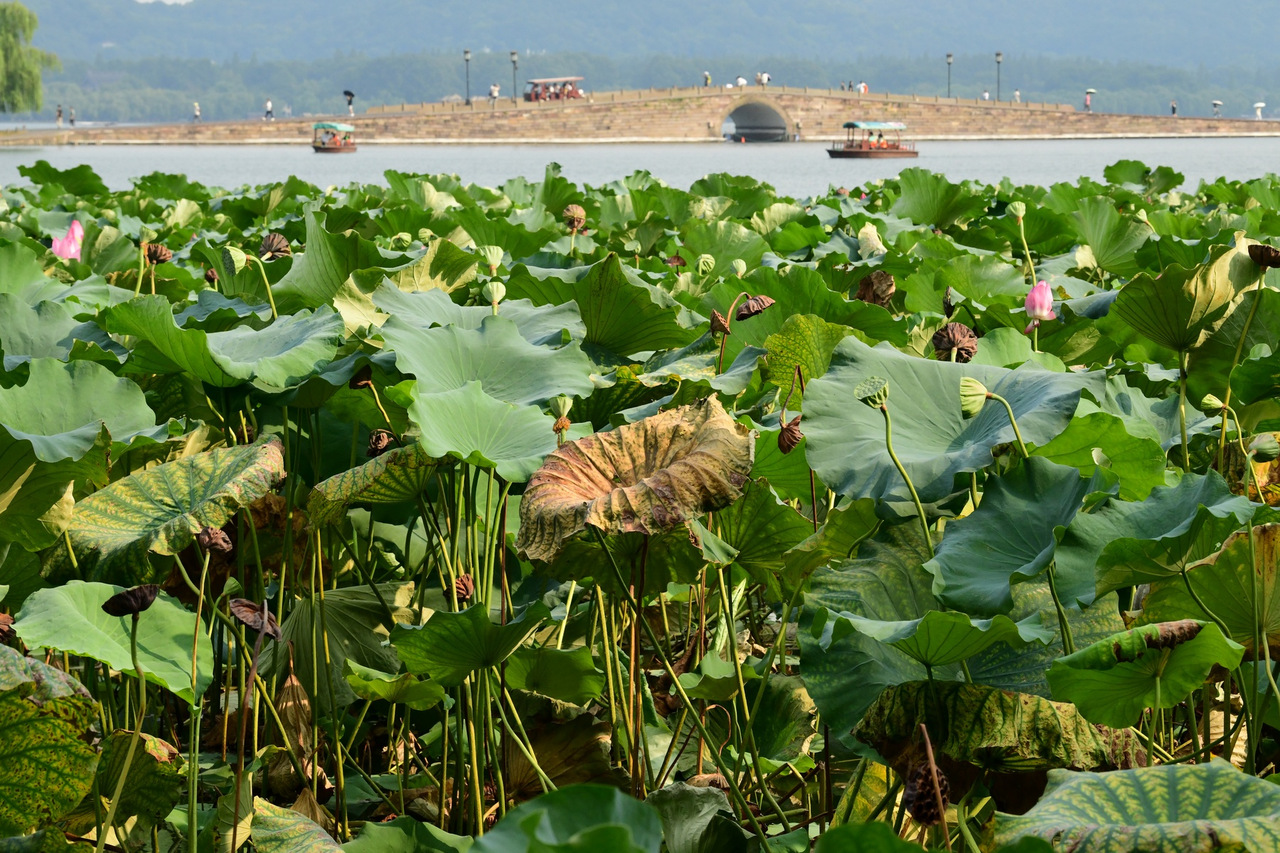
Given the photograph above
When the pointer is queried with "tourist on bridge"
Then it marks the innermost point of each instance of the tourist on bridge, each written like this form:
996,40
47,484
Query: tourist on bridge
72,116
986,96
196,116
494,90
706,79
270,113
1088,101
1173,108
742,82
764,78
1017,96
57,118
350,96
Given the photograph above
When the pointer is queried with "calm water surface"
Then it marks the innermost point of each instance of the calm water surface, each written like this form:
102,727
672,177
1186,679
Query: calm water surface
797,169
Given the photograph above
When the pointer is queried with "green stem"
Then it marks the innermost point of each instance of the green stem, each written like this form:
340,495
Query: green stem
1182,409
1012,421
109,823
266,284
1068,641
888,442
193,747
1244,333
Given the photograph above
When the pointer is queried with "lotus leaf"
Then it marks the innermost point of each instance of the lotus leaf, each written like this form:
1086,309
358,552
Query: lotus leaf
805,341
160,510
46,762
577,817
645,477
406,835
687,815
278,830
1111,238
539,324
43,330
877,837
1153,666
451,646
1181,808
402,689
1138,463
930,199
400,474
156,780
569,675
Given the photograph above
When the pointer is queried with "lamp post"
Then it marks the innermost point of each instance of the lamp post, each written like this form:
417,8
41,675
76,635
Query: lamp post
950,59
514,65
466,58
999,59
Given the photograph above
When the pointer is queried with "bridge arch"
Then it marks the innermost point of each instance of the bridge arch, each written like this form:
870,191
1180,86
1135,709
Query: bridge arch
756,119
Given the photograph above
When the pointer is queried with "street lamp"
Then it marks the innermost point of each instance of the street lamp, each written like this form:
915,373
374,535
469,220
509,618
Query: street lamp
950,59
514,65
999,59
466,58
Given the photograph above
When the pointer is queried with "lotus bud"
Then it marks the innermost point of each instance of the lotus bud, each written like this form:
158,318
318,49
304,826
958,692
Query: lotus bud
1264,256
400,240
157,253
492,256
1264,448
705,264
147,235
1039,305
575,218
719,325
464,587
752,307
1211,405
1017,209
973,396
560,406
214,540
874,391
789,437
132,601
955,342
233,260
277,246
494,292
379,442
739,267
256,617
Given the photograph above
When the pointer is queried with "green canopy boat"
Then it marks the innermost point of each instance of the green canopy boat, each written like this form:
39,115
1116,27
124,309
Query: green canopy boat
331,137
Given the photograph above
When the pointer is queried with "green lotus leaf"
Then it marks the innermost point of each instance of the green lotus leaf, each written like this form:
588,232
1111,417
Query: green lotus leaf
156,781
508,367
1256,378
1138,463
714,679
939,637
687,814
1011,537
875,837
539,324
1179,808
982,281
761,529
451,646
992,729
70,618
444,268
725,241
1147,417
398,689
783,728
1112,239
1142,177
22,275
400,474
930,199
787,473
280,830
835,541
46,761
932,438
672,557
160,510
645,477
622,313
1182,307
1210,366
805,341
44,448
468,424
1125,543
569,675
1152,666
43,330
518,239
44,841
576,817
78,180
355,622
1245,598
319,273
282,354
406,835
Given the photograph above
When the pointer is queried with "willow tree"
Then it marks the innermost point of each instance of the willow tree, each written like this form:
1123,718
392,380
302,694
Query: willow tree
21,63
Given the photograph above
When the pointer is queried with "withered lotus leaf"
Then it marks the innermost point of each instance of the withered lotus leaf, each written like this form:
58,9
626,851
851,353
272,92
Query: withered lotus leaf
645,477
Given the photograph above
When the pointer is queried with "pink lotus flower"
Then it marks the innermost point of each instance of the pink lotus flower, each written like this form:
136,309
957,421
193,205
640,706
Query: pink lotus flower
68,247
1039,306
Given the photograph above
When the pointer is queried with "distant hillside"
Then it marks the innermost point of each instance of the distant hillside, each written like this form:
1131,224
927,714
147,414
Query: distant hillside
1178,33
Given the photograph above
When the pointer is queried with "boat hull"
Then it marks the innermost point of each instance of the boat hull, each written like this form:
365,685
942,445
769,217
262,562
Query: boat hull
871,153
330,149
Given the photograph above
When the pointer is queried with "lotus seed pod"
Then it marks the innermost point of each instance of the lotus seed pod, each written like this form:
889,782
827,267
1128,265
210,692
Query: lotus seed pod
277,246
494,292
675,261
214,540
719,325
575,217
739,267
464,587
973,396
1264,448
379,442
1211,405
561,405
233,260
874,391
1017,209
211,276
132,601
492,256
752,307
921,798
256,617
955,338
1264,256
789,437
157,253
561,425
705,264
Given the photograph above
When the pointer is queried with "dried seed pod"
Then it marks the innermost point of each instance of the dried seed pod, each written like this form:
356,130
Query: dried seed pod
921,799
575,218
752,307
464,587
380,441
1264,256
211,276
948,307
675,261
256,617
214,540
709,780
877,288
957,338
362,379
274,246
157,253
131,601
245,434
6,627
842,192
562,423
790,436
719,325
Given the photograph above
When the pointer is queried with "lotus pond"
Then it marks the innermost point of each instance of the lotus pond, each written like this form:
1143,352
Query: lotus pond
429,516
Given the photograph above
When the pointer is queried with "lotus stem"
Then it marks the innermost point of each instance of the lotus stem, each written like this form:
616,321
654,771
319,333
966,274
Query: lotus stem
193,747
1068,641
1182,409
724,336
568,609
109,822
915,498
266,284
1012,421
142,268
937,786
798,376
1235,360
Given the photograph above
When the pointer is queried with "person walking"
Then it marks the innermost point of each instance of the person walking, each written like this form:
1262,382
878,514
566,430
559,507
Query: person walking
1088,102
1217,109
351,96
195,117
764,79
57,118
494,91
71,115
270,113
986,96
1017,96
706,79
742,82
1173,108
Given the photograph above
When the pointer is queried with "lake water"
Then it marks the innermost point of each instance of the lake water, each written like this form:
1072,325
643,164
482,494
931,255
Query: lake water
797,169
